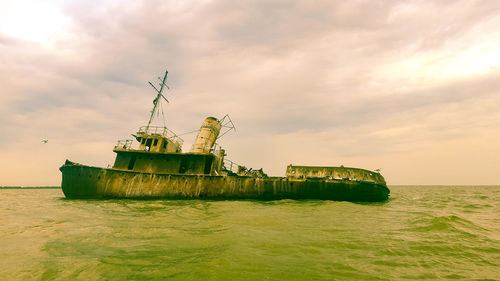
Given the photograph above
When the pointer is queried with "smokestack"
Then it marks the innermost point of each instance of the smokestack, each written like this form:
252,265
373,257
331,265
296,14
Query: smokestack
207,135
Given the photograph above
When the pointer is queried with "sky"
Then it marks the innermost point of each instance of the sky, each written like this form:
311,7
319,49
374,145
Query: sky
408,87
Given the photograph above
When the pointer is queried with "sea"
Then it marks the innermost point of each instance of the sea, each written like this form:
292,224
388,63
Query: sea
420,233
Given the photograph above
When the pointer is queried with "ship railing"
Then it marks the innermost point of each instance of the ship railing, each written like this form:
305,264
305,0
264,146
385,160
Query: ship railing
230,166
163,131
125,144
215,149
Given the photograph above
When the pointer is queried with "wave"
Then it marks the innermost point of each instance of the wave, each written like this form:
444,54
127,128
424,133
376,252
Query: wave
447,224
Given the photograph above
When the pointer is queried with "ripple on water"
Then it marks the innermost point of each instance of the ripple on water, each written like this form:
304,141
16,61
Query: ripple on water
421,233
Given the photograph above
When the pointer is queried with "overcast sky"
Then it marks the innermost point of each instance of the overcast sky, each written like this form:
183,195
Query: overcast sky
411,87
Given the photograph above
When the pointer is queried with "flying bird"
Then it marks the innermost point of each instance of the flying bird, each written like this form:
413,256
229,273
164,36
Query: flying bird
45,141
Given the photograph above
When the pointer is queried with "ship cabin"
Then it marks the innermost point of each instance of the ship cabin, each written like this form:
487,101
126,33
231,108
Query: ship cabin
160,151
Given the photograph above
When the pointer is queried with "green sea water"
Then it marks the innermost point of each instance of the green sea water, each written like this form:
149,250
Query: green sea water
421,233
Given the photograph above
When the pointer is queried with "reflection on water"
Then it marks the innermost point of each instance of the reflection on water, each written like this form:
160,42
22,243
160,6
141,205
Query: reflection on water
420,233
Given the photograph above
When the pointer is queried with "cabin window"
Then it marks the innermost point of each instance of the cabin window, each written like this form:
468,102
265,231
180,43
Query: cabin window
208,165
143,141
132,162
148,144
164,144
155,142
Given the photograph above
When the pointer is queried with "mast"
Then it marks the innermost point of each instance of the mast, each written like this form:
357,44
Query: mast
157,99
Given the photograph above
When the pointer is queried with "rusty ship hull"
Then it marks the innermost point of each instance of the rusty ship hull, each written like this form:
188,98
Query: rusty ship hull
81,181
158,168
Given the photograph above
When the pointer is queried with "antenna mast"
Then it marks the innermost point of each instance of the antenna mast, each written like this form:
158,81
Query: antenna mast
157,99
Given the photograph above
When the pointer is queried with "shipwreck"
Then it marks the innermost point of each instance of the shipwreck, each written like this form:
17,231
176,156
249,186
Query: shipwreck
158,168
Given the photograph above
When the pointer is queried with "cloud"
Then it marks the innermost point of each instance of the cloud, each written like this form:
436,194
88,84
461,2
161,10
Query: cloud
327,82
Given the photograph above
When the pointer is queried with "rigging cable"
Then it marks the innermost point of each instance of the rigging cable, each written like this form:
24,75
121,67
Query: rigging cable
188,132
